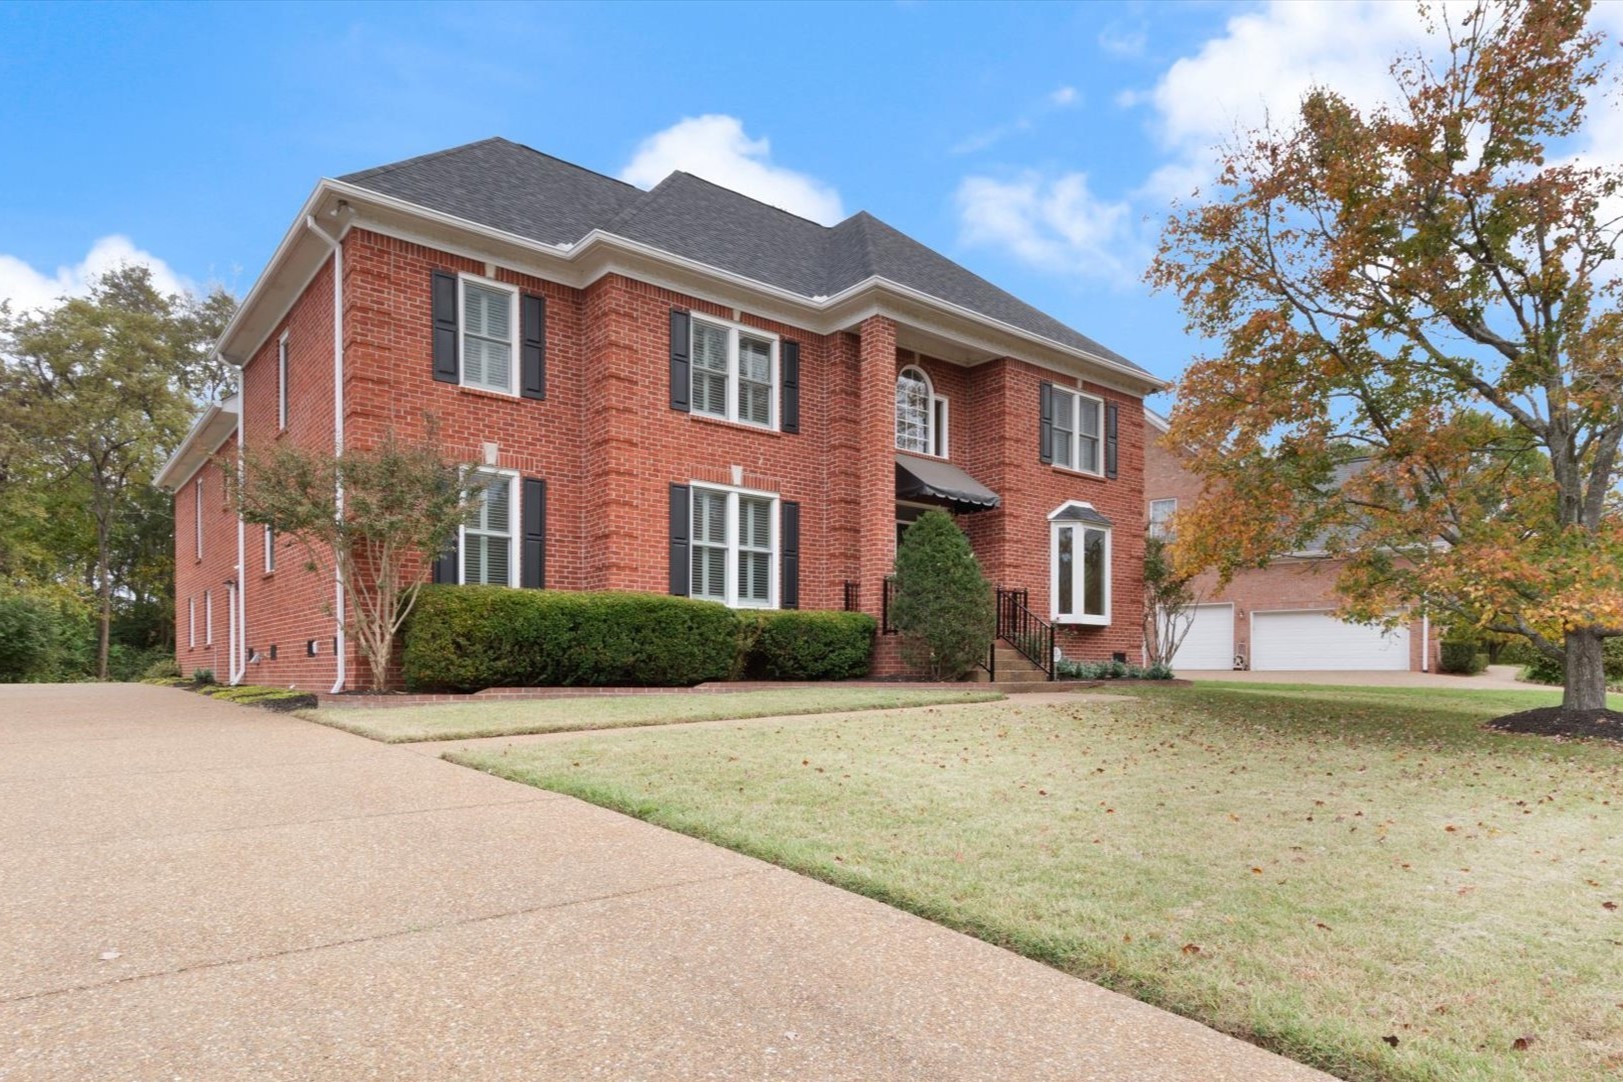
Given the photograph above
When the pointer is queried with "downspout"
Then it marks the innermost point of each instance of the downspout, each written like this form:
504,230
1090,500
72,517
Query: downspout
339,675
239,594
1425,640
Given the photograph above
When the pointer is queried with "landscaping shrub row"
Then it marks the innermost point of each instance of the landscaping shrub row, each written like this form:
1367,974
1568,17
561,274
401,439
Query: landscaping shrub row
468,638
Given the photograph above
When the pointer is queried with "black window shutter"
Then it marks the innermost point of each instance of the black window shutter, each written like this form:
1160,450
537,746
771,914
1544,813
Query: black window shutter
533,350
790,364
681,516
445,336
1045,423
445,564
681,377
1110,440
789,588
533,560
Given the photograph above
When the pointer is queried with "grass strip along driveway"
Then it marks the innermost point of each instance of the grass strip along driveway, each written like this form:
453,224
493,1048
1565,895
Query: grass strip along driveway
1364,880
469,721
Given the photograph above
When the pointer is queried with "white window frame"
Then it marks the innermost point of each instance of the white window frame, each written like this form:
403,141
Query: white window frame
462,333
1161,528
270,550
733,376
515,524
1078,568
730,573
935,417
208,617
197,514
191,622
281,383
1075,436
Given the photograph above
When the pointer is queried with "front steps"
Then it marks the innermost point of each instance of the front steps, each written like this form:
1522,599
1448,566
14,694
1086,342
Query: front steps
1013,667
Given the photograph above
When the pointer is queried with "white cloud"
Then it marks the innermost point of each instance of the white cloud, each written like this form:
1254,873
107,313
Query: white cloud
1118,40
1053,223
715,147
1064,96
26,288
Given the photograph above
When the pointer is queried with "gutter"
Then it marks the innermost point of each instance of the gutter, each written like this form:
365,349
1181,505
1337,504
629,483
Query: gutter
341,644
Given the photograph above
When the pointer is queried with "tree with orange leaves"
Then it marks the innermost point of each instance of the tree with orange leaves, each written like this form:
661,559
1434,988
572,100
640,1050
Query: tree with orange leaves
1420,362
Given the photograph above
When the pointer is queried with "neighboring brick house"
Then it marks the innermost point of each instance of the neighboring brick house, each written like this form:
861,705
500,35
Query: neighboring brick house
1277,618
685,391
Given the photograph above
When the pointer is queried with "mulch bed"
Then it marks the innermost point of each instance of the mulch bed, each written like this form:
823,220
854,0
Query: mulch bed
1557,721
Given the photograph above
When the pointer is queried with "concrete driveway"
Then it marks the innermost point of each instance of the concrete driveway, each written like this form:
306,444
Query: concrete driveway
195,890
1496,678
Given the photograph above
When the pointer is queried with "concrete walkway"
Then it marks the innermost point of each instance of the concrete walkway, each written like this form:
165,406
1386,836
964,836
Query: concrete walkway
190,889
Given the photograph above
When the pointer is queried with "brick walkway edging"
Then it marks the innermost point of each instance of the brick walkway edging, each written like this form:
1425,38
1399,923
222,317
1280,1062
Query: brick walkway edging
361,700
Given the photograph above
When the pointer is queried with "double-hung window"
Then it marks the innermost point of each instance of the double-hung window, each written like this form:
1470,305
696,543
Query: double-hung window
191,621
734,372
487,536
197,516
1080,565
489,333
208,617
921,414
734,546
1078,422
1161,512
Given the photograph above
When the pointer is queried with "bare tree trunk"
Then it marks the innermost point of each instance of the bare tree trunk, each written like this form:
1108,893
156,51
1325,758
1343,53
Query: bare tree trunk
1586,671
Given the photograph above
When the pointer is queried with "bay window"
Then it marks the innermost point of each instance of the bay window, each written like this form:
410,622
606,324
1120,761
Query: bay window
1079,565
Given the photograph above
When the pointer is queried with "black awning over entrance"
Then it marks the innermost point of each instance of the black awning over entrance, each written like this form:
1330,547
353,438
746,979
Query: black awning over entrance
929,480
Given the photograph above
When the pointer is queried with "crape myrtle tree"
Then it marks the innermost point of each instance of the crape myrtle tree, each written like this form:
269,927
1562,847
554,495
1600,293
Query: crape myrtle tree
1427,287
374,516
1169,601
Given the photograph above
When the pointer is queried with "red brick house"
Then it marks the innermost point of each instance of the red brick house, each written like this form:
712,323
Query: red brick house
1277,618
685,391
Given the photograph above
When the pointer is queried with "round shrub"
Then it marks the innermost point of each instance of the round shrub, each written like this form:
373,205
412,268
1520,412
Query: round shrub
468,638
793,645
1460,657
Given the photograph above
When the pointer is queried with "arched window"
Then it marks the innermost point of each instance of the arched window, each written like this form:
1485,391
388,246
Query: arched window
921,414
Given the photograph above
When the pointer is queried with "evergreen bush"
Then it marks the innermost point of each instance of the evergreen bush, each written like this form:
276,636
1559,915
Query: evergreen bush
943,607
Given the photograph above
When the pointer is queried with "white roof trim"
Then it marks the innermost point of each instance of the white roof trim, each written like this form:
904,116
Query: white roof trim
207,435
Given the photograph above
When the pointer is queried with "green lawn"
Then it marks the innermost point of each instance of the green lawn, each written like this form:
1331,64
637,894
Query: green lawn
466,721
1326,871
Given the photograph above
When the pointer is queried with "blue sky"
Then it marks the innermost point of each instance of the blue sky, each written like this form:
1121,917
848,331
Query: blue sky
1040,145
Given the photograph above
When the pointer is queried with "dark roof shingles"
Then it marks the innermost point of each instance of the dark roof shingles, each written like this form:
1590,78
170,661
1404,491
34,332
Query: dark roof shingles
514,188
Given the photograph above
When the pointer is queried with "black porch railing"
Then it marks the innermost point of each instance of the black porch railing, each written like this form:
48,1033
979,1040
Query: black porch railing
853,596
1024,630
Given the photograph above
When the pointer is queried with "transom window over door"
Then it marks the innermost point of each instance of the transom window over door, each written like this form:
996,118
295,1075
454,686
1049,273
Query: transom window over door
487,336
1078,422
734,547
734,372
487,539
921,414
1080,565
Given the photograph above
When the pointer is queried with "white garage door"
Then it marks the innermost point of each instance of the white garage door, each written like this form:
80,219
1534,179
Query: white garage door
1317,640
1210,642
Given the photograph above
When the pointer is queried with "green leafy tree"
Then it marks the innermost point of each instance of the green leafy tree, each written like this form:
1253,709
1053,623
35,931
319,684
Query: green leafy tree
943,607
95,392
1430,282
373,515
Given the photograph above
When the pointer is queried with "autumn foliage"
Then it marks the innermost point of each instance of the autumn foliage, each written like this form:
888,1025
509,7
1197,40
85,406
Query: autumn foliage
1417,335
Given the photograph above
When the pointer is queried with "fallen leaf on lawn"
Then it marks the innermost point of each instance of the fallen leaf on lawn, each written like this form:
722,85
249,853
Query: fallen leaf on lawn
1451,828
1190,948
1321,926
1256,871
1391,1040
1608,905
1521,1044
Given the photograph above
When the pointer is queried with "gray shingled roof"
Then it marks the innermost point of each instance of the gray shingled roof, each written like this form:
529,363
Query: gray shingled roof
522,191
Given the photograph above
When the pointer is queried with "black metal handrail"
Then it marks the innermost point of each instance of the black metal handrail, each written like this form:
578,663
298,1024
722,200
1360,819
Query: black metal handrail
1024,630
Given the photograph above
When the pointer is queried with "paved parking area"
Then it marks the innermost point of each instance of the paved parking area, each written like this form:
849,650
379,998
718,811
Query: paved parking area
195,890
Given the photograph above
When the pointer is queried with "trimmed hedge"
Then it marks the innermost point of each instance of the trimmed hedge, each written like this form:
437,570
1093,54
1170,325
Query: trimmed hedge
1461,658
793,645
468,638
